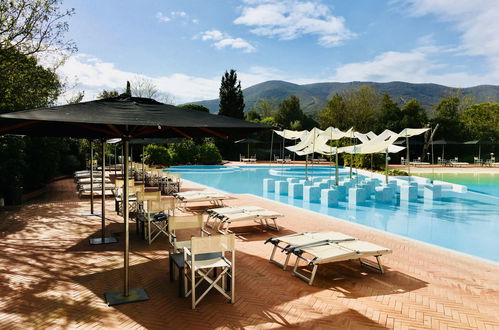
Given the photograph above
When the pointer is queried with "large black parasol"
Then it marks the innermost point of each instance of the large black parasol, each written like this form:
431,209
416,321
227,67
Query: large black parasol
127,118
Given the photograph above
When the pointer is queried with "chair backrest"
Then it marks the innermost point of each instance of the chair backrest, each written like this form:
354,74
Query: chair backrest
162,205
178,222
212,244
148,195
174,176
120,182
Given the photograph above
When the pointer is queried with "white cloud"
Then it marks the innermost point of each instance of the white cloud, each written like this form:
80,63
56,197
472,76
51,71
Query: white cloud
477,21
162,17
416,66
222,40
92,75
290,19
175,15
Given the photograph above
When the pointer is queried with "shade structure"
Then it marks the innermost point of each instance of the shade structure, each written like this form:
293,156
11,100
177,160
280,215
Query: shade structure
248,141
123,116
480,142
127,118
443,143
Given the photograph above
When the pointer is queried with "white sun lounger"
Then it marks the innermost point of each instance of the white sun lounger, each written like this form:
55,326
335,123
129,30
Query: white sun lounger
339,251
214,198
289,242
96,179
259,216
218,213
96,186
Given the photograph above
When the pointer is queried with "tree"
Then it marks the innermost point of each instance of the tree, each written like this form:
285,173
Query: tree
334,114
447,115
197,107
289,111
413,115
25,84
389,115
252,115
231,96
481,121
77,98
105,94
33,26
361,105
265,107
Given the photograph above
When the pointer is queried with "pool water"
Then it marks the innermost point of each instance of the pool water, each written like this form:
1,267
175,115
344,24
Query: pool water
486,183
464,222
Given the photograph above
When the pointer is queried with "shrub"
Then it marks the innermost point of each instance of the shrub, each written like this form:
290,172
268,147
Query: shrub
157,155
364,161
184,153
208,154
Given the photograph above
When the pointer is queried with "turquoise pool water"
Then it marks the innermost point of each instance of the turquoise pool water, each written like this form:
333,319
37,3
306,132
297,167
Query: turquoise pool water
487,183
466,222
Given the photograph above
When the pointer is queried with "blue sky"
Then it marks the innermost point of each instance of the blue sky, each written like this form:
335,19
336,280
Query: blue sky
184,47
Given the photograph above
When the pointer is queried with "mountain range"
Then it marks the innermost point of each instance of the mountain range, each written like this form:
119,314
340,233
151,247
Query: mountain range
314,96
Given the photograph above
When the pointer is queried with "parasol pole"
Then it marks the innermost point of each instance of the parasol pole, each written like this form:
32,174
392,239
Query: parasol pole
103,239
91,182
386,165
271,145
91,178
115,161
126,257
337,171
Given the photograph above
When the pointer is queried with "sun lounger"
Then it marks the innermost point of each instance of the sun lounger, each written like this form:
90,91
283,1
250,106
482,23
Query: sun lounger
97,192
289,242
259,216
218,213
458,163
215,198
82,181
96,186
337,251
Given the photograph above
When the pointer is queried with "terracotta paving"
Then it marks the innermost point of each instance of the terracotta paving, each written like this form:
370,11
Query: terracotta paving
50,277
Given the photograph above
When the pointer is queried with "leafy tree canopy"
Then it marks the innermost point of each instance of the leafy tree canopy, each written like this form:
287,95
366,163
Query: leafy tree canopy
252,115
231,96
197,107
289,111
33,26
481,121
414,115
105,94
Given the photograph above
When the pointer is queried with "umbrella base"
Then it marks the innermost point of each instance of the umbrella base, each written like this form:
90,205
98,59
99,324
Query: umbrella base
118,297
89,214
99,240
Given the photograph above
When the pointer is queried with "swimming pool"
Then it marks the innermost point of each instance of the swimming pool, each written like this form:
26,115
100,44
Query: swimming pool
486,183
465,222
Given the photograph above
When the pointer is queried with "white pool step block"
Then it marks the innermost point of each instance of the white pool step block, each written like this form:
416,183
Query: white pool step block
281,187
356,196
432,192
342,193
409,192
293,180
306,182
269,185
321,185
384,194
311,194
367,190
295,190
329,197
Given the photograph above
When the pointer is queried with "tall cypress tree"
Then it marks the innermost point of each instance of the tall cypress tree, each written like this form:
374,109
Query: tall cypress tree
231,96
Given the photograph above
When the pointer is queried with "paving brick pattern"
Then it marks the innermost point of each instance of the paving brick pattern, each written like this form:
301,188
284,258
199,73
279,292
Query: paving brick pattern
50,277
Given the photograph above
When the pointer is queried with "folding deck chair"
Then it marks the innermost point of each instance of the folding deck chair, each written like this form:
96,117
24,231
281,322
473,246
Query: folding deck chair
290,242
200,270
326,252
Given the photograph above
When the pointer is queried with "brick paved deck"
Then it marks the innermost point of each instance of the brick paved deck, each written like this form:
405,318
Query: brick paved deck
52,278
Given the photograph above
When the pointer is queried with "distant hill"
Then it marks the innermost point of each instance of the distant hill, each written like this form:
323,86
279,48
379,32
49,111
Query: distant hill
314,96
